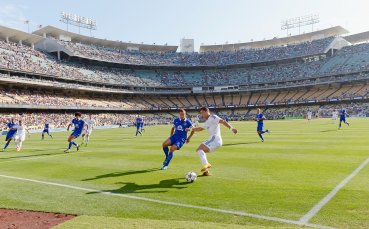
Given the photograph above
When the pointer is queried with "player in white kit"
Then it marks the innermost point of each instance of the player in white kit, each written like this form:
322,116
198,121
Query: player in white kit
20,136
215,141
309,116
334,116
87,130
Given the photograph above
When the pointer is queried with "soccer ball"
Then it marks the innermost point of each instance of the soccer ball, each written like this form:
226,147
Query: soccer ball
191,177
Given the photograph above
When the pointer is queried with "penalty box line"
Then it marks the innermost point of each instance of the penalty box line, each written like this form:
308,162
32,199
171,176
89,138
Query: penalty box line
306,218
260,217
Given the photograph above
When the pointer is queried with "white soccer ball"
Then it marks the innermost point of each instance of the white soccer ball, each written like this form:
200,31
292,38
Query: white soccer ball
191,177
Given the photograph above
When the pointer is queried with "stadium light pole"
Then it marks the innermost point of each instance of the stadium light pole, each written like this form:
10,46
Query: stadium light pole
79,21
299,22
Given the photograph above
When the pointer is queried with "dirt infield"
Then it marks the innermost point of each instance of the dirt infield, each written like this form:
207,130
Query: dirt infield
18,219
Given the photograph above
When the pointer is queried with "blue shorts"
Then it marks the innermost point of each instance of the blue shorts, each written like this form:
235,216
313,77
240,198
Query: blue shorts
45,131
10,135
260,128
178,142
76,134
342,119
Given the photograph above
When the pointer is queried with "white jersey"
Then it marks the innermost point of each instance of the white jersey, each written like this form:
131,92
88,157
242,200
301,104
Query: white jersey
335,115
212,125
309,114
21,132
90,123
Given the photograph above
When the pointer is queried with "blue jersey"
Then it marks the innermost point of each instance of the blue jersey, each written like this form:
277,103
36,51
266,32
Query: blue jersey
180,127
78,125
139,122
46,126
260,120
343,113
11,125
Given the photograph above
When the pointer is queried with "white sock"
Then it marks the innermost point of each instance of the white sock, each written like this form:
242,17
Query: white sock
87,139
203,158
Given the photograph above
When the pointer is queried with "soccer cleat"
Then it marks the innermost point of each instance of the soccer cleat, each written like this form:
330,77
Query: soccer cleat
267,131
77,147
206,167
262,140
164,167
18,149
67,151
206,173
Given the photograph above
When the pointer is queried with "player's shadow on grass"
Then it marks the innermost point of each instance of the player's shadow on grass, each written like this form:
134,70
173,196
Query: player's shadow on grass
240,143
161,187
32,155
325,131
120,174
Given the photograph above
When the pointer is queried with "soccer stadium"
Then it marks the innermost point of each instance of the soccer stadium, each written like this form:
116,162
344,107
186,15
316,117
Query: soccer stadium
270,133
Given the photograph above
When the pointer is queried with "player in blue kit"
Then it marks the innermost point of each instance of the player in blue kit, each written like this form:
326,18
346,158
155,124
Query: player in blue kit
78,124
139,125
260,120
46,130
343,115
178,136
12,130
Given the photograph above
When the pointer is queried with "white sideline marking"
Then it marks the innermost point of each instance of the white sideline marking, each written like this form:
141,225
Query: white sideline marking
269,218
306,218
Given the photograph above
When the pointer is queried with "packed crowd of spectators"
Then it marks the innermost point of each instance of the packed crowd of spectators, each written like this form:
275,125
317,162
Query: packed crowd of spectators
349,59
199,59
61,120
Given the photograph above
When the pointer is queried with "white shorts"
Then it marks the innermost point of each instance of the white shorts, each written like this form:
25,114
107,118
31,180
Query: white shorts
19,138
213,143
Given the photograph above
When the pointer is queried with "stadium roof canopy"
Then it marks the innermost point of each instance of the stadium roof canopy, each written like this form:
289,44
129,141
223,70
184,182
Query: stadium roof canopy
334,31
57,33
358,38
17,35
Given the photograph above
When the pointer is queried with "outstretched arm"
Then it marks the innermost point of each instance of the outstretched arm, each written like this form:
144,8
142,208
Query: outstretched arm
226,124
69,126
189,137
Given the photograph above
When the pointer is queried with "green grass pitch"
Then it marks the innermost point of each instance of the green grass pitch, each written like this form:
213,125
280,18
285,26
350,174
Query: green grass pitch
284,177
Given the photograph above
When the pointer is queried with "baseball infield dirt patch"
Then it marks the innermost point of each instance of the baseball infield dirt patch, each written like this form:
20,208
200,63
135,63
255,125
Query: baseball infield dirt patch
18,219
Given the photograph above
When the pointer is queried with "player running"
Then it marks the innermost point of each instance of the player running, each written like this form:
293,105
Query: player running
139,125
215,141
343,115
11,133
78,124
20,136
334,116
260,128
178,136
309,116
87,130
46,130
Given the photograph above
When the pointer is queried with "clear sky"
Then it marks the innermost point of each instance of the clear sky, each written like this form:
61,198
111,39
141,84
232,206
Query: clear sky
207,21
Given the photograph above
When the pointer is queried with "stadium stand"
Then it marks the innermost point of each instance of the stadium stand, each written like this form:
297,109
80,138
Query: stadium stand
314,74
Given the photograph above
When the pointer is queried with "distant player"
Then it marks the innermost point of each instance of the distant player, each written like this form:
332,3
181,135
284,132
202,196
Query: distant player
20,136
139,125
46,130
260,128
11,133
195,121
78,124
87,130
343,116
334,116
309,116
178,136
215,141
